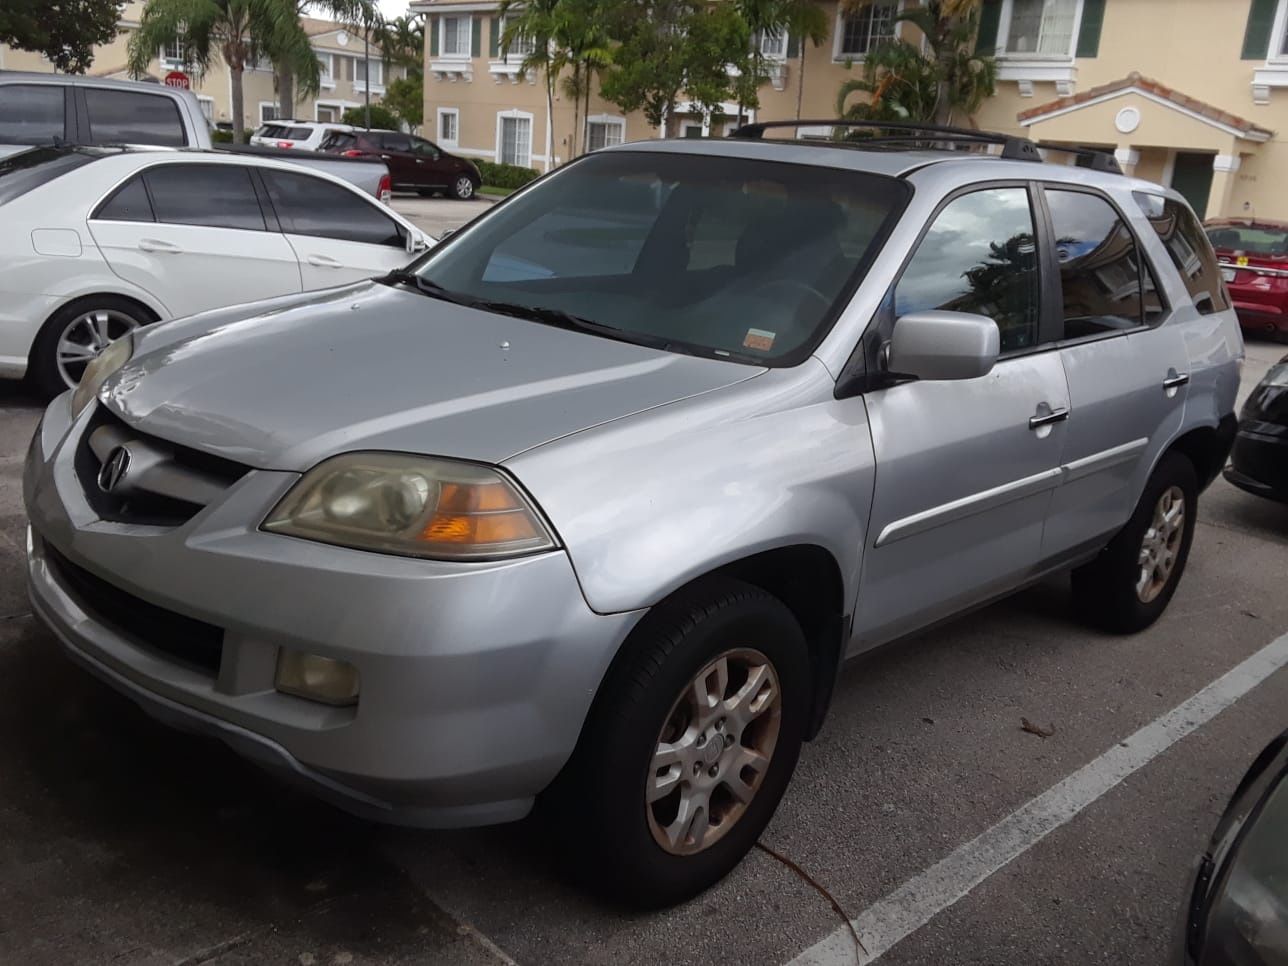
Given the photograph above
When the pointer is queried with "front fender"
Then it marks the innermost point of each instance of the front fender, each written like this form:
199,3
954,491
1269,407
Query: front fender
648,503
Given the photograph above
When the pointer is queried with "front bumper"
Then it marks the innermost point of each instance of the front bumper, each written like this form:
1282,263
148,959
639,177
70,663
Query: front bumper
1259,464
475,678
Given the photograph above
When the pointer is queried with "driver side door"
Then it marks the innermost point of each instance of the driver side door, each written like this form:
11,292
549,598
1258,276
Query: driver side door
965,469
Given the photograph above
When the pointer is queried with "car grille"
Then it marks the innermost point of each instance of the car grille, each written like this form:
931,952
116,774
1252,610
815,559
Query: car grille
164,485
185,639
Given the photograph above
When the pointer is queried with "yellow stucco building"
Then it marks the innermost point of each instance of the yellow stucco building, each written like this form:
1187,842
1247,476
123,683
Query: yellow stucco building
341,57
1192,93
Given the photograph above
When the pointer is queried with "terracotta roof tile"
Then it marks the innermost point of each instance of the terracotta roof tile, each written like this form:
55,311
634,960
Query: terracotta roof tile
1135,80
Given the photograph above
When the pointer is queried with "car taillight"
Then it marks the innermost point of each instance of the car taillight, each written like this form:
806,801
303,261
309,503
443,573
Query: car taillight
351,153
384,191
286,144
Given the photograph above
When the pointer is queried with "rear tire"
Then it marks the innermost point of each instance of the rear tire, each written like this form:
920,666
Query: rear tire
75,335
689,747
1129,585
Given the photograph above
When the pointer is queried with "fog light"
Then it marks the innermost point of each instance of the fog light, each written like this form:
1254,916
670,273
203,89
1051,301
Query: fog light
316,677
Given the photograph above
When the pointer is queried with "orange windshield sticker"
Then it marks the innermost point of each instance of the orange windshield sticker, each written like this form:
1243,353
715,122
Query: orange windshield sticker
758,339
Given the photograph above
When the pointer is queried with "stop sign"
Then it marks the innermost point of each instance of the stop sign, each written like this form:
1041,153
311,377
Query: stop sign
177,78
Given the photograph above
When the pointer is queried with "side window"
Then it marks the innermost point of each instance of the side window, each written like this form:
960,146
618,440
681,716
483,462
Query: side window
1189,249
395,142
129,202
31,113
311,206
979,256
424,148
213,195
125,117
1100,266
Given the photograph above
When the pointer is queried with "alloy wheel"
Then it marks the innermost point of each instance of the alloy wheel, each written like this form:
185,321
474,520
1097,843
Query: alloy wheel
1161,544
85,337
713,751
464,188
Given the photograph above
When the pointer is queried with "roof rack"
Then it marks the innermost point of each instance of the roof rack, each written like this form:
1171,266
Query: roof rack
1013,147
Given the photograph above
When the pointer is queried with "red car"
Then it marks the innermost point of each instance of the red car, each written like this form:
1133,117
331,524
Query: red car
414,163
1254,262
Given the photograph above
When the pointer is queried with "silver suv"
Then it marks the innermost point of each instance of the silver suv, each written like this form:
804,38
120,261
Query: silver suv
592,502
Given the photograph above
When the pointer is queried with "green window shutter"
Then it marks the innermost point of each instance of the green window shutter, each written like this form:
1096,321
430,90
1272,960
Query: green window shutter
431,24
494,43
1093,18
793,46
1261,20
990,19
476,35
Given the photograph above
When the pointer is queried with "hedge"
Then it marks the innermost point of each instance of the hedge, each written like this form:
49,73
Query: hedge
506,175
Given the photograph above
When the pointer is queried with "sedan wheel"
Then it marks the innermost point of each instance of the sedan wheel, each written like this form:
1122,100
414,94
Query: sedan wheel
75,335
85,337
464,188
1161,544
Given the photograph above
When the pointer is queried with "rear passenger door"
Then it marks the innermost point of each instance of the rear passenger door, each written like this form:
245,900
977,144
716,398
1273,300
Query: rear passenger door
337,234
965,469
1127,368
395,151
195,236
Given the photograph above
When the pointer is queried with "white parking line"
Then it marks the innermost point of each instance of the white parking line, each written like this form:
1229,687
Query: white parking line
924,896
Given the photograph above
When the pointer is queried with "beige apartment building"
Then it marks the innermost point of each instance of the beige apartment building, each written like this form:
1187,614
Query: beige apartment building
341,56
1191,93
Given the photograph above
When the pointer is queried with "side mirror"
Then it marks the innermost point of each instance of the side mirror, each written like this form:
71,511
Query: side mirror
944,345
417,242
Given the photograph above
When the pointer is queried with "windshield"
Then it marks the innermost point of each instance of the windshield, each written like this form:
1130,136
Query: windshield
742,259
20,173
1252,239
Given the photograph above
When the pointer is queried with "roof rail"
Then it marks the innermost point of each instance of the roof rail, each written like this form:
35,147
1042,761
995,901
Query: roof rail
1086,157
1013,147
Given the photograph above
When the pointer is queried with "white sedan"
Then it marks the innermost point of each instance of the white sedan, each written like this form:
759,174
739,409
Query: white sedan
97,241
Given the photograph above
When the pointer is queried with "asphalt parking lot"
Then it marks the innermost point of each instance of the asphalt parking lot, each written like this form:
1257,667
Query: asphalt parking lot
436,215
123,842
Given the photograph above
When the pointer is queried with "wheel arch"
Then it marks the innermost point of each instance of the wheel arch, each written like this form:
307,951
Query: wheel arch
153,312
1206,447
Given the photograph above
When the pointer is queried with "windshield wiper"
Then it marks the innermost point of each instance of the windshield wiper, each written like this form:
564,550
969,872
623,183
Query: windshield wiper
556,317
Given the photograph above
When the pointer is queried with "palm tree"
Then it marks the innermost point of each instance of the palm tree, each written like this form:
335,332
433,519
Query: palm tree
536,21
346,11
805,20
238,31
402,42
581,33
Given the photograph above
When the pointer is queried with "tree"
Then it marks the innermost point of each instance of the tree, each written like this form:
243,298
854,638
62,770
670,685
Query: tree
682,46
382,118
346,11
402,43
807,21
405,97
537,22
580,32
235,30
65,32
930,82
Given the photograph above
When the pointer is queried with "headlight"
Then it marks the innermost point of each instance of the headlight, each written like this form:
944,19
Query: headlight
411,505
100,368
1277,376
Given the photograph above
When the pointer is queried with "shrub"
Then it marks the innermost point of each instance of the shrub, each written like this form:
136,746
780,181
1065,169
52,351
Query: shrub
506,175
381,117
220,136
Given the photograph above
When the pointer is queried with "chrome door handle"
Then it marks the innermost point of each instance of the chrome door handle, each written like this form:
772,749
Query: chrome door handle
1046,419
154,245
322,261
1176,381
384,157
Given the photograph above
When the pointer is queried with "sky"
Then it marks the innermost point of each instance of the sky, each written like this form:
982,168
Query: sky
390,9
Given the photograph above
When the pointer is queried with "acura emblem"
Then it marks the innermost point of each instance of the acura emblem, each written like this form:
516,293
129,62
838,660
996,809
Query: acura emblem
114,469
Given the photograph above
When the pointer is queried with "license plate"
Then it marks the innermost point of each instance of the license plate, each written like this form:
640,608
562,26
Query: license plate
1227,274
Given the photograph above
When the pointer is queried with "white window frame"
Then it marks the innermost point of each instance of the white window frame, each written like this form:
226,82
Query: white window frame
1004,37
377,68
1277,52
455,114
207,107
274,107
772,44
465,33
518,51
1274,73
838,35
608,120
328,72
171,63
515,115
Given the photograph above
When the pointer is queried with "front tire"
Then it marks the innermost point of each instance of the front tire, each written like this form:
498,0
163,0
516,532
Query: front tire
75,335
463,188
1129,585
690,746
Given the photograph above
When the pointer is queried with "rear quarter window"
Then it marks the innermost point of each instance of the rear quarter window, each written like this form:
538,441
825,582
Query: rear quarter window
27,170
31,113
129,117
1189,249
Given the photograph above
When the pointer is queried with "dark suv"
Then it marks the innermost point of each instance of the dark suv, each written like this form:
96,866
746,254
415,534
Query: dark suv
414,163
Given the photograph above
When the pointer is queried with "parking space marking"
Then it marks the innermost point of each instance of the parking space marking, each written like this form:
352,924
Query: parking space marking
924,896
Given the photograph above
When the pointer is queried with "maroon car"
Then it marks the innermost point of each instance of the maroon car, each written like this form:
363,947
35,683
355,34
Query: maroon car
1254,262
414,163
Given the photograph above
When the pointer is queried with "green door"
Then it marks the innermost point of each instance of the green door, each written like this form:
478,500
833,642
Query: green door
1192,177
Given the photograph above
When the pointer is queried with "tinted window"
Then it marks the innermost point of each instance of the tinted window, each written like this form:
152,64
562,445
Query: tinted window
395,142
214,195
979,256
31,113
128,203
733,257
421,146
337,140
1188,248
311,206
127,117
1250,239
21,172
1100,269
